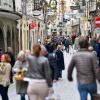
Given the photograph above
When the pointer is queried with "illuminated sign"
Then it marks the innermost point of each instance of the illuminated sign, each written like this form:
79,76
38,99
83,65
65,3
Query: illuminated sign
6,5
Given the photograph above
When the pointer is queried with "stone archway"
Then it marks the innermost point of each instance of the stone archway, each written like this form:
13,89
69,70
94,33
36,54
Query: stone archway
9,37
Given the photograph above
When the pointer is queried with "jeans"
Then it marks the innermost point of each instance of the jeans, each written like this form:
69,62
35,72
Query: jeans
22,96
86,89
4,92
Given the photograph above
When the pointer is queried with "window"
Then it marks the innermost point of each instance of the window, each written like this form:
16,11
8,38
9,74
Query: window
36,4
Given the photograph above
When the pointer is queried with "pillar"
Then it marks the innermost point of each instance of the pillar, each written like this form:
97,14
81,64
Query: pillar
5,36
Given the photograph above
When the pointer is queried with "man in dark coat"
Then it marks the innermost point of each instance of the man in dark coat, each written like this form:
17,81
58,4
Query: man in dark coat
98,49
60,61
53,62
66,44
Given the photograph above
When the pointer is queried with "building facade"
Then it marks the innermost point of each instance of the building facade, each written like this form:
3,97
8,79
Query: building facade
31,31
8,25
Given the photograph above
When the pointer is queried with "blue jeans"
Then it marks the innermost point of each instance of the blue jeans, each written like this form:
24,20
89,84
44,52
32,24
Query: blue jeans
4,92
22,96
85,89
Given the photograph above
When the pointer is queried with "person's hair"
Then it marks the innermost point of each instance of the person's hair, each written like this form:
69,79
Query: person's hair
83,42
20,54
59,47
7,58
37,49
51,47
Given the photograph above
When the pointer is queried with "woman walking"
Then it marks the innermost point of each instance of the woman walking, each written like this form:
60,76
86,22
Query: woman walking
21,66
39,75
5,69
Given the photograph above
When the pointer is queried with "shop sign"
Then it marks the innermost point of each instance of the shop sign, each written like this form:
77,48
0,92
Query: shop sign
97,22
77,7
33,25
6,5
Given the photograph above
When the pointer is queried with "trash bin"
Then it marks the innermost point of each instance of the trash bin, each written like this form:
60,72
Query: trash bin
96,97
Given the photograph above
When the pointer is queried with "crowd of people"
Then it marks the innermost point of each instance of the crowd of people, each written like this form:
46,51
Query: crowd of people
36,71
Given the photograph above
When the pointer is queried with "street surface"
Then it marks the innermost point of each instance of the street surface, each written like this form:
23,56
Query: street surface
63,88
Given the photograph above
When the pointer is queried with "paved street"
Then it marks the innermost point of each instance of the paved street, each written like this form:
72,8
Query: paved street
66,90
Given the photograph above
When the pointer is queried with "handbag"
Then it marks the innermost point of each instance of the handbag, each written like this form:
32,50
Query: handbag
21,74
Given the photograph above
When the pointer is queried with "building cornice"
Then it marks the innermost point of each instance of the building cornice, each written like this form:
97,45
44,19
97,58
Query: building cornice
11,14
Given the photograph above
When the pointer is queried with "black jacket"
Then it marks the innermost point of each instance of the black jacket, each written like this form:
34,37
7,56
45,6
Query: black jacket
53,65
60,60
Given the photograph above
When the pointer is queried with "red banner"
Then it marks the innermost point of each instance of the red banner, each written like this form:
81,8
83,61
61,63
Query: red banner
97,22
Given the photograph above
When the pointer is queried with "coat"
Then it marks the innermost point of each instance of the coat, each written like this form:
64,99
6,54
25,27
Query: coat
53,65
21,86
86,67
98,49
5,69
60,60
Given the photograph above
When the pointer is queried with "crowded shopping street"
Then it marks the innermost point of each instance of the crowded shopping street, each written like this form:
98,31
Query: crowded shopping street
49,49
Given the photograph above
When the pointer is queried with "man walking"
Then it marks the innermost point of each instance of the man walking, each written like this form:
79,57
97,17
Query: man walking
86,66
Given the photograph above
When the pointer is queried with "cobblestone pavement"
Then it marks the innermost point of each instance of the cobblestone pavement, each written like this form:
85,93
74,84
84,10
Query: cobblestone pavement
66,90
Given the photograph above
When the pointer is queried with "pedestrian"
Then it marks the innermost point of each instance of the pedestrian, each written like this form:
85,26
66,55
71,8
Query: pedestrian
12,56
93,42
97,47
52,57
60,61
39,75
21,65
86,66
5,69
66,44
76,44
